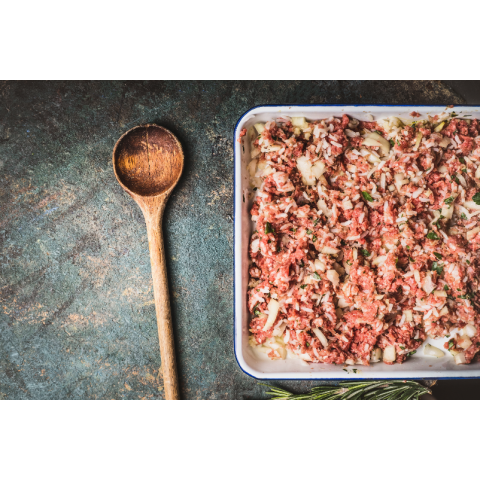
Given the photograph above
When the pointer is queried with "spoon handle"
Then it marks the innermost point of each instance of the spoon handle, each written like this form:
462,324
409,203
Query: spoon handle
162,302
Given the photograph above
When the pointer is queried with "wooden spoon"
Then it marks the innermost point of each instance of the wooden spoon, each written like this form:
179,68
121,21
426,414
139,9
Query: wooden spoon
148,162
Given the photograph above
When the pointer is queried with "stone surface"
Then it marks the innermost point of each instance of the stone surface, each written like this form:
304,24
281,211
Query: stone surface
77,318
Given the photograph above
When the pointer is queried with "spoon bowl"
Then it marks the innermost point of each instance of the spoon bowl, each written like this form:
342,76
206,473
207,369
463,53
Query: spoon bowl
148,162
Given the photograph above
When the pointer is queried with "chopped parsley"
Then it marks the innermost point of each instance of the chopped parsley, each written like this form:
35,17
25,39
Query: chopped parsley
301,263
450,344
380,133
437,268
316,276
365,253
411,353
303,286
467,296
462,160
315,222
355,370
463,216
403,348
269,228
450,200
307,344
476,198
445,287
369,198
408,247
309,232
468,262
438,255
314,238
456,180
432,236
392,143
257,312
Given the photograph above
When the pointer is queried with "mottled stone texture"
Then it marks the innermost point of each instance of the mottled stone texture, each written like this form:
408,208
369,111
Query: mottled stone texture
77,318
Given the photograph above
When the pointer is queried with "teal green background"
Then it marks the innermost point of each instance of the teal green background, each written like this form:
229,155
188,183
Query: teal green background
77,318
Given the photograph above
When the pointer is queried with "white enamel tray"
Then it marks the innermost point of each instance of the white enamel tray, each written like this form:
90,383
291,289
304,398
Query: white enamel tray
417,366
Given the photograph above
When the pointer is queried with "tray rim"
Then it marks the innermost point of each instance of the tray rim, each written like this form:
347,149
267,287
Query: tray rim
316,376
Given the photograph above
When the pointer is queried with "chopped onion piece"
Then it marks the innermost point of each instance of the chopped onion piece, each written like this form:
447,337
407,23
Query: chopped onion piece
273,307
381,142
460,358
332,275
464,342
389,354
321,337
376,355
259,127
330,250
470,330
433,351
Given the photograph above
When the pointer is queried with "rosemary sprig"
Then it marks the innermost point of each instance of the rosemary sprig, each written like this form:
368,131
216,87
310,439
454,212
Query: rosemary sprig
367,390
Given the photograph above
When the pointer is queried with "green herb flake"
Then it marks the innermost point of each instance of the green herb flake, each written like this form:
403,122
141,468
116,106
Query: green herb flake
369,198
437,268
355,370
268,228
315,222
257,312
438,255
456,180
301,264
447,336
365,253
309,232
463,216
345,370
445,287
314,238
411,353
408,247
476,198
403,348
303,286
432,235
392,143
468,262
449,200
462,160
307,344
450,344
316,276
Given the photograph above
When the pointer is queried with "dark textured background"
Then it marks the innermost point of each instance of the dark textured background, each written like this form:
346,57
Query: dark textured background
77,318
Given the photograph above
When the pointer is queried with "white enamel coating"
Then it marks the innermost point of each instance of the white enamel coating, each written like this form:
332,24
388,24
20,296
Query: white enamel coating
419,365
